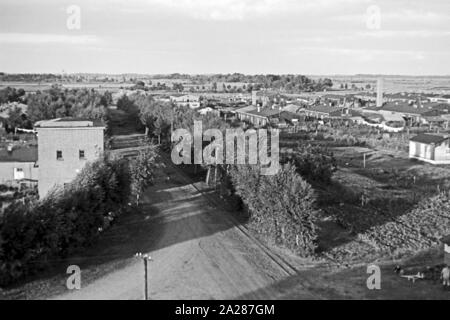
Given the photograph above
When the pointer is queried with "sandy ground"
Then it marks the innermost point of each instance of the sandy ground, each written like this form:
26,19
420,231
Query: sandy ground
199,254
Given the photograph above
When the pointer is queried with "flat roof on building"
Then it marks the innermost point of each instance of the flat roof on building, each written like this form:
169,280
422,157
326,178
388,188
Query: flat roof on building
69,123
428,138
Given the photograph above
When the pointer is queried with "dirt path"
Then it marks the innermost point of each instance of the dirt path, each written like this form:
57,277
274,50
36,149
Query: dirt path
197,251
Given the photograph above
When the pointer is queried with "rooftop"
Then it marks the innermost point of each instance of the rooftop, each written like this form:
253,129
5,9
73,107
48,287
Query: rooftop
428,138
19,154
292,108
264,112
446,239
400,107
323,109
68,123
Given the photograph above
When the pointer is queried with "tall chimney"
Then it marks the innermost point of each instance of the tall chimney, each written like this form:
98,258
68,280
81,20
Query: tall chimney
379,92
254,97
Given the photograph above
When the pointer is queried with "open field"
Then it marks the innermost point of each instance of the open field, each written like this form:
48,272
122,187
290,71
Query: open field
392,84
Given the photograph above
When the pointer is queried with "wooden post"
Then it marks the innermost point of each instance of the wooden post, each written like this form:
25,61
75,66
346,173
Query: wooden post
146,258
145,279
207,175
364,160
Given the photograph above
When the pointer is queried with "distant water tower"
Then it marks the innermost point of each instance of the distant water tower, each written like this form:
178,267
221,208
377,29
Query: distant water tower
379,92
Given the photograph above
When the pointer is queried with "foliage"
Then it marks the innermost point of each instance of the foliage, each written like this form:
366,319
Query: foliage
281,206
143,171
66,220
9,94
419,229
58,102
17,119
314,163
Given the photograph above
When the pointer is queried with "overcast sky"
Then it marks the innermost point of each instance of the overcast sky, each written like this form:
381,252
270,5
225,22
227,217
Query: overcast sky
225,36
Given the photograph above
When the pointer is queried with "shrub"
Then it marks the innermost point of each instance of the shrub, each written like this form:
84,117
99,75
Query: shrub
281,206
142,171
66,220
314,163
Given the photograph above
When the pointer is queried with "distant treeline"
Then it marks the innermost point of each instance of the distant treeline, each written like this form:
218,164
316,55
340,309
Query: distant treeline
287,82
30,77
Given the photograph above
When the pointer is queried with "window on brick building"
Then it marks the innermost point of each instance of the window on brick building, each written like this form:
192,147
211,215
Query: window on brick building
59,155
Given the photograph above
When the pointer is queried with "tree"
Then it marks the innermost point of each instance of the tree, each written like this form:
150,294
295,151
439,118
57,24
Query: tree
178,87
314,163
281,206
142,170
17,119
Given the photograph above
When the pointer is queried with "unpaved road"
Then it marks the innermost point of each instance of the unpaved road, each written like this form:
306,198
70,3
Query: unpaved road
197,251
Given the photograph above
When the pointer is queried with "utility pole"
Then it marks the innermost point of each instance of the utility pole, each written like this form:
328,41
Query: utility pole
145,258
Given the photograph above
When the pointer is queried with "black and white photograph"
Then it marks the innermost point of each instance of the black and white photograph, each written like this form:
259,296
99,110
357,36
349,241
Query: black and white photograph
224,155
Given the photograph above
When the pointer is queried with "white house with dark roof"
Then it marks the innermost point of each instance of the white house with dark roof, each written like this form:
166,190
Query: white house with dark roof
18,165
431,148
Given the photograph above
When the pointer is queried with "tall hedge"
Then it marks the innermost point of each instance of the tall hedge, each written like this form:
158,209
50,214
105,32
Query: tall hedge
281,206
65,220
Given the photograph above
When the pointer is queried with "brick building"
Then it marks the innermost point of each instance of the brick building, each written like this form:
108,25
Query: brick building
64,147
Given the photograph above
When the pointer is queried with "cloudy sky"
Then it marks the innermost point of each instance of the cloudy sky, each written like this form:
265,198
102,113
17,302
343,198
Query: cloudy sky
209,36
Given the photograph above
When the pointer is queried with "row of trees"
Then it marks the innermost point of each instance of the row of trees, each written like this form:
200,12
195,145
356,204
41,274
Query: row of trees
287,82
32,234
282,206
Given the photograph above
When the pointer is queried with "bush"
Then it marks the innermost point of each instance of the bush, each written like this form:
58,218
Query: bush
281,206
142,171
66,220
314,163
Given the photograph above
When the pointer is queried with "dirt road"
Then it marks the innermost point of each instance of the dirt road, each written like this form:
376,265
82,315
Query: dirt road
197,251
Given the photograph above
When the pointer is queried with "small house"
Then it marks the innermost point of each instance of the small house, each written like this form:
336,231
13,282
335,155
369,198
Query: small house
18,164
431,148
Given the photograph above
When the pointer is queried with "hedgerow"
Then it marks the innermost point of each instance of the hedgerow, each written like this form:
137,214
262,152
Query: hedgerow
281,206
69,218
